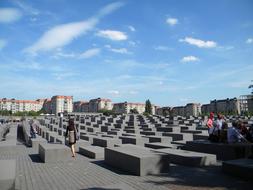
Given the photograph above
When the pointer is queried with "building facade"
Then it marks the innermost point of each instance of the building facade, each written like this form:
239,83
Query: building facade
246,103
47,106
81,106
61,104
98,104
226,106
164,111
192,109
178,110
127,107
14,105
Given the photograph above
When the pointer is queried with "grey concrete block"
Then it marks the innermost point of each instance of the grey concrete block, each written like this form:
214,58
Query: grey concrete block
221,150
35,143
95,152
137,161
161,139
133,140
158,145
7,174
105,141
242,168
189,158
179,136
54,152
117,186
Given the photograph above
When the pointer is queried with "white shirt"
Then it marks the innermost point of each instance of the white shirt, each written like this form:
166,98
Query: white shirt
219,123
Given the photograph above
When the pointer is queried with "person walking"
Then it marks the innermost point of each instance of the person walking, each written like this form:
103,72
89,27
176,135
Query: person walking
71,133
210,120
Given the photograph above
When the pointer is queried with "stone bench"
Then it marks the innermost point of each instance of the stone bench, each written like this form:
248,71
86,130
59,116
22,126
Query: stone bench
7,174
95,152
189,158
136,160
54,152
221,150
240,168
105,141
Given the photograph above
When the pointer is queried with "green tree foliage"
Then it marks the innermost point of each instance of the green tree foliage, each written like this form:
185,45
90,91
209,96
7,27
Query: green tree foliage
148,107
134,111
107,112
19,113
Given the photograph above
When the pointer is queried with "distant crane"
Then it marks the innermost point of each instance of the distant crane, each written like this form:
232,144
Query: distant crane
251,86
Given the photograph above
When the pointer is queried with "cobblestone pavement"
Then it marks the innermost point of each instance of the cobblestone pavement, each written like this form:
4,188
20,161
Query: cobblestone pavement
85,173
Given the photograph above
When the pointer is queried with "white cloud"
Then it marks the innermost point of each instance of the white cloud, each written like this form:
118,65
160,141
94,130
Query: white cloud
131,28
61,35
27,8
238,84
109,8
172,21
113,92
189,59
60,76
64,34
249,41
183,99
112,35
133,92
162,48
120,50
90,53
132,43
8,15
199,43
225,48
3,43
65,55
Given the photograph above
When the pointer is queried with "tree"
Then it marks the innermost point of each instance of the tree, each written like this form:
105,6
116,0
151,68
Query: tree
107,112
134,111
148,107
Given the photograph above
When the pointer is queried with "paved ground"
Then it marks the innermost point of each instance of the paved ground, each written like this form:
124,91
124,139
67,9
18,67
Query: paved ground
84,173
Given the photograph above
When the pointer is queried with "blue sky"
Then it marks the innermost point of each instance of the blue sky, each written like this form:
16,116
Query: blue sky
171,52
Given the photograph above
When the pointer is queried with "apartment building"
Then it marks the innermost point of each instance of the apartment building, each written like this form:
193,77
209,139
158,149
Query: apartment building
14,105
99,104
225,106
61,104
164,111
47,106
192,109
81,106
178,110
246,103
126,107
